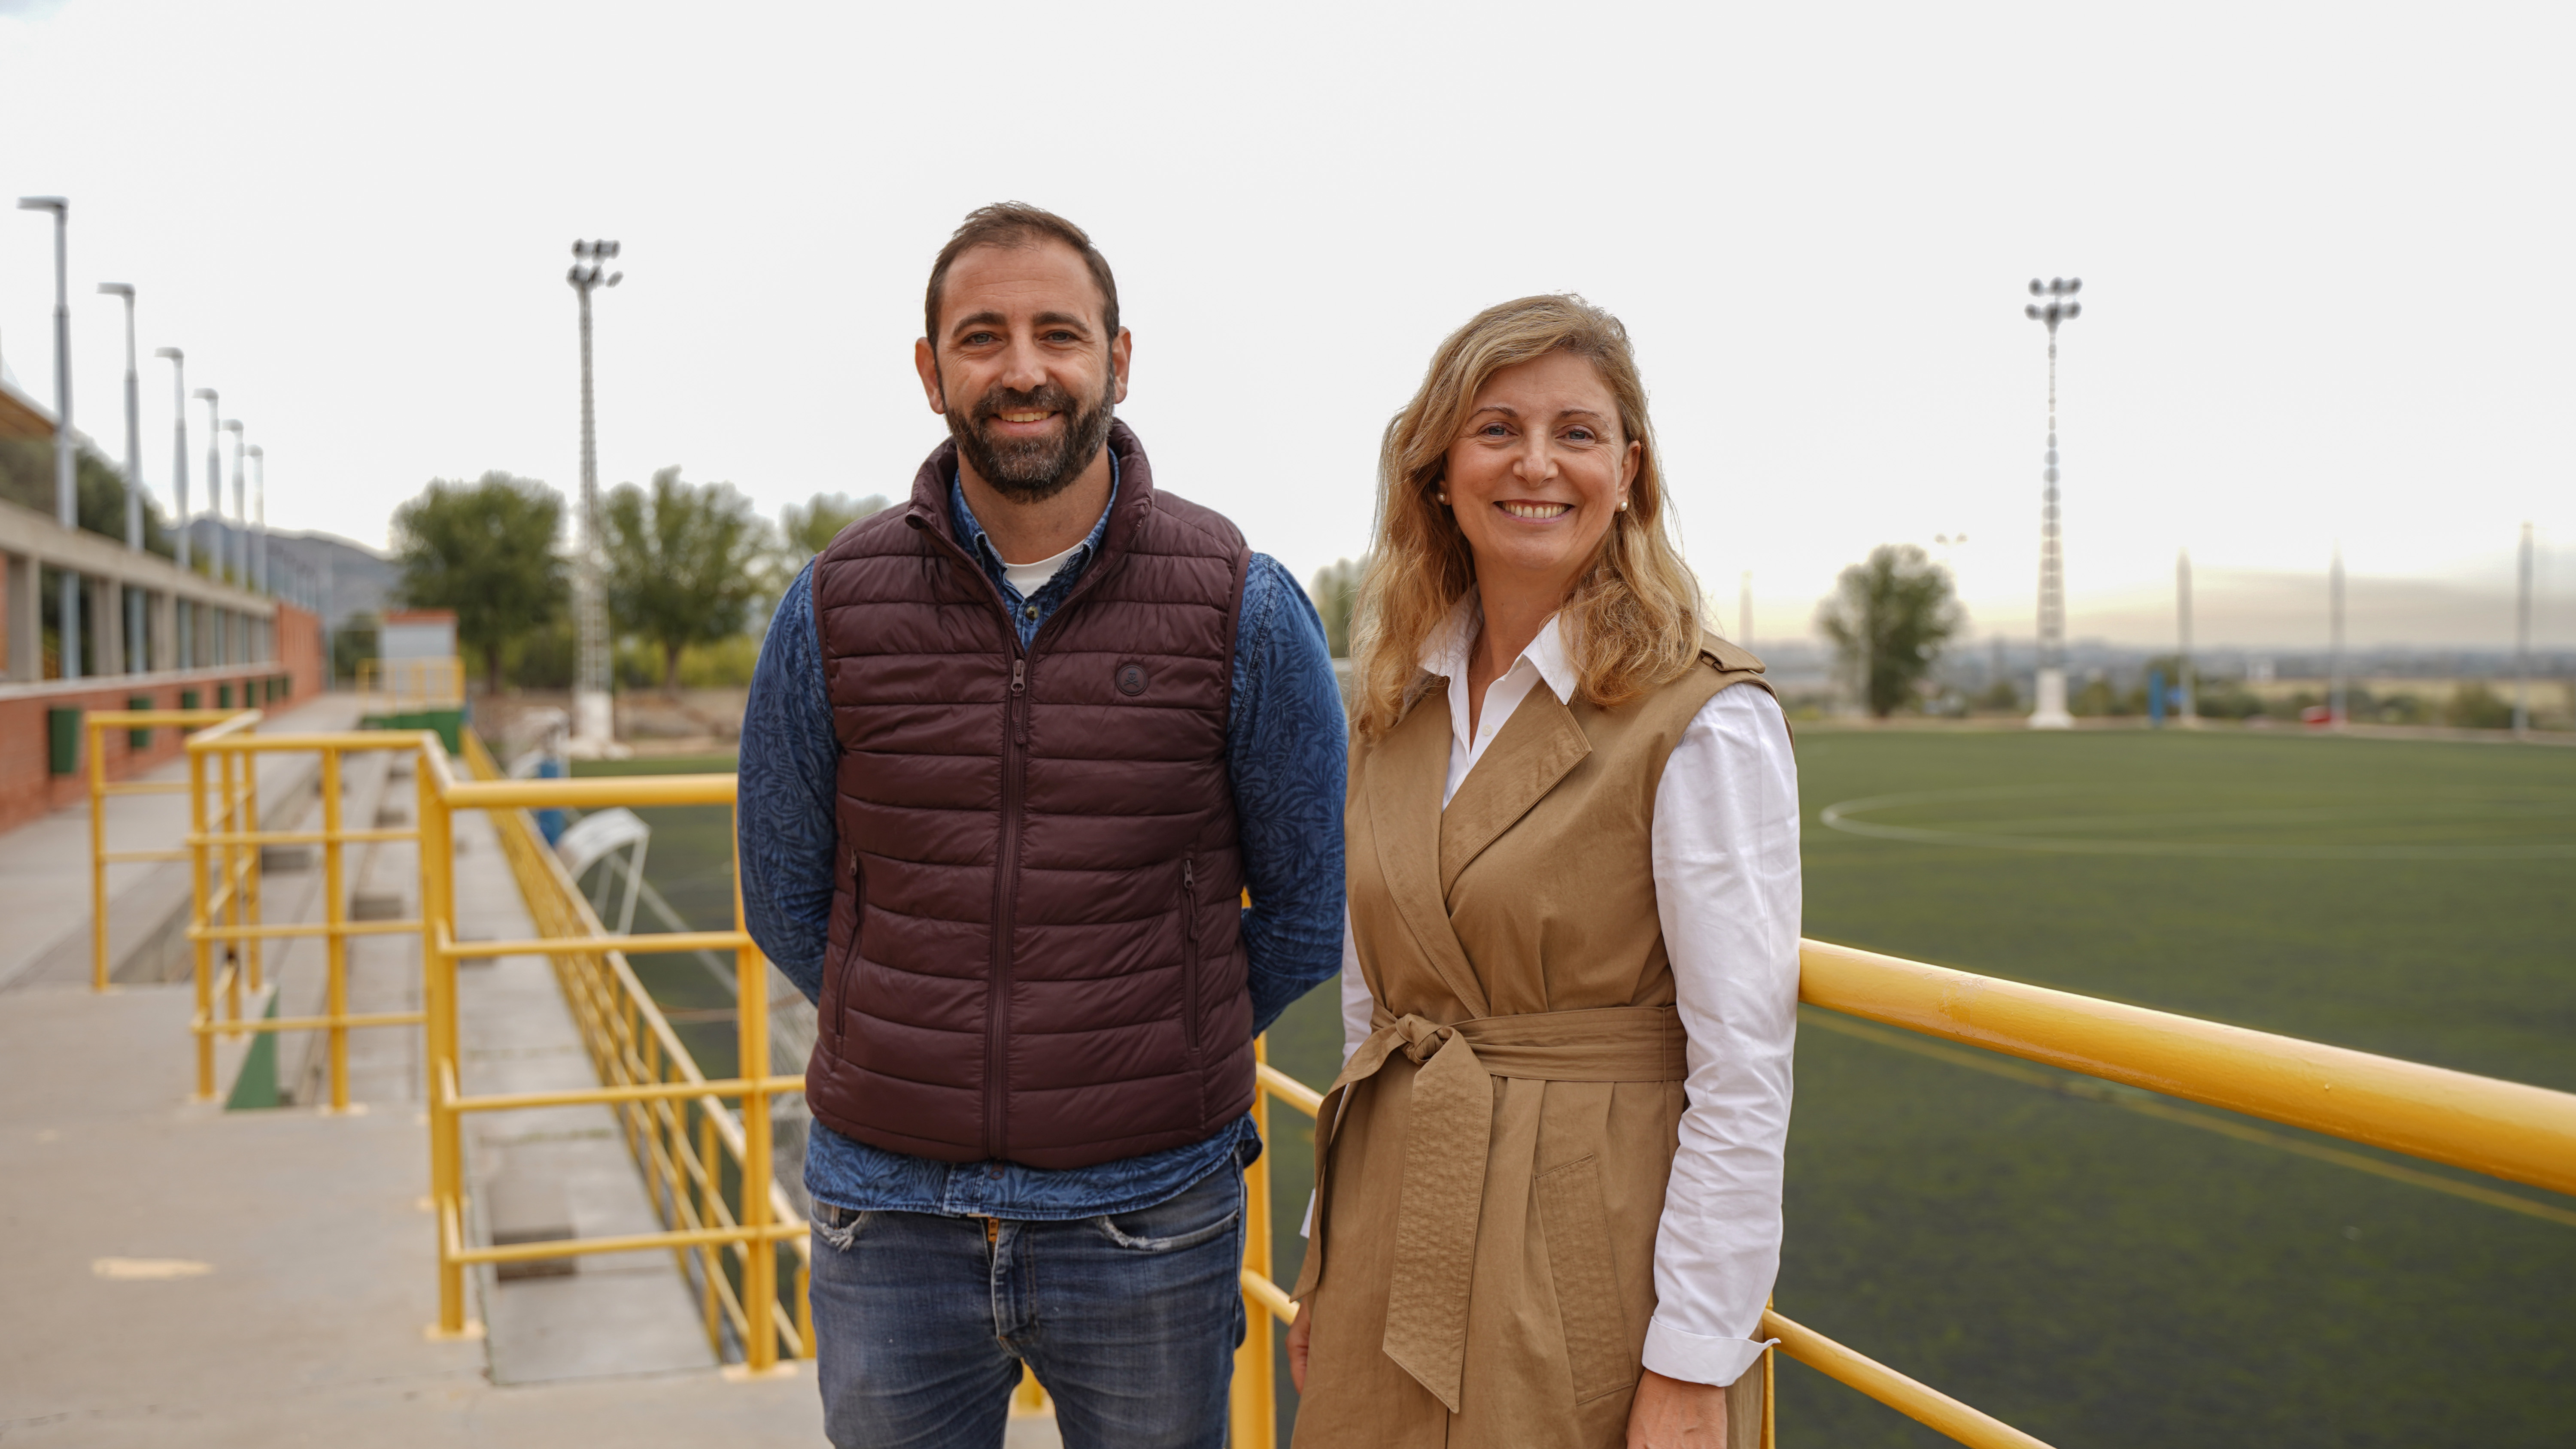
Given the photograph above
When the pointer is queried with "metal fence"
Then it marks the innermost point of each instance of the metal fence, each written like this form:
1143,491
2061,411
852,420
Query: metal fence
225,842
686,1140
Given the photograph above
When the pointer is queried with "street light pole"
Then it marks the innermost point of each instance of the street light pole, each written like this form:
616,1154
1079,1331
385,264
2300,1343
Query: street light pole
66,487
178,452
259,518
133,475
2056,304
214,479
181,611
259,522
241,510
593,714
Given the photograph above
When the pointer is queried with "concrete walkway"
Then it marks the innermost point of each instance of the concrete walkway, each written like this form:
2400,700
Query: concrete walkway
176,1274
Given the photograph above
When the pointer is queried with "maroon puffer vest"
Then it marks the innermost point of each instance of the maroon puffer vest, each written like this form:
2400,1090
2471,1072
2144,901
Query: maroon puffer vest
1036,953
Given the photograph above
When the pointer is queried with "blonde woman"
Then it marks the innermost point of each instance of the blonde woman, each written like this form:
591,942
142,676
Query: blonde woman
1548,1179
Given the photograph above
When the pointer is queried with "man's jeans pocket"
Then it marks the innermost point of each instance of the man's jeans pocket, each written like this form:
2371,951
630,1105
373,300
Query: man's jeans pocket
1199,1215
837,1226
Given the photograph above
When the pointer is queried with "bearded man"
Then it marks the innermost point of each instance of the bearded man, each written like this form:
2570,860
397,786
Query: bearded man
1014,755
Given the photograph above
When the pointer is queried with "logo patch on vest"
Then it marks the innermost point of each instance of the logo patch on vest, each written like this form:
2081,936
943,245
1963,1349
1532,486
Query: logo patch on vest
1131,679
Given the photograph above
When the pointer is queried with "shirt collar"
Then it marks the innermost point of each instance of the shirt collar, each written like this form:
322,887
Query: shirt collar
1445,652
971,532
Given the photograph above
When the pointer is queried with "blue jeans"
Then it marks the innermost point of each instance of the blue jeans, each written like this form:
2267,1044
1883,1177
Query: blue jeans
921,1323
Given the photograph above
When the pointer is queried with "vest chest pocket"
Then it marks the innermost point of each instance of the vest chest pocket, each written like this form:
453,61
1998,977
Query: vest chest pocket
1587,1286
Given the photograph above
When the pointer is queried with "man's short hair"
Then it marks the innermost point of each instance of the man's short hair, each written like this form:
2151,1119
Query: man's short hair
1018,224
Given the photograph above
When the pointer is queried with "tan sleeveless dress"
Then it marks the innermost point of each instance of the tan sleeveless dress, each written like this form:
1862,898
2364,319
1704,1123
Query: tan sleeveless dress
1491,1164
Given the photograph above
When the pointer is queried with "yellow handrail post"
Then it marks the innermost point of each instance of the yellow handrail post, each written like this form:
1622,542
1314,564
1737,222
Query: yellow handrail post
199,946
97,858
438,1001
1256,1394
1770,1400
231,775
334,915
254,947
760,1252
710,1257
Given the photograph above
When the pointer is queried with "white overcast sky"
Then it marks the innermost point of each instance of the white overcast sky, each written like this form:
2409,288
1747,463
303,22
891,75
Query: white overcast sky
2325,251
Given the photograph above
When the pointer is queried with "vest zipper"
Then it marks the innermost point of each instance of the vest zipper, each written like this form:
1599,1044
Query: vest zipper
1006,865
1190,953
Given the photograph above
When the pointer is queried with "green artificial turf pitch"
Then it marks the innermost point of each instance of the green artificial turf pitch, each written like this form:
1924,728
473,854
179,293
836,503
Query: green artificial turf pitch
2101,1267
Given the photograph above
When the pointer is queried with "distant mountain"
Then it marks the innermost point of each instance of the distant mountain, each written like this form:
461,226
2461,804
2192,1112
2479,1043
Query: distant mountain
360,579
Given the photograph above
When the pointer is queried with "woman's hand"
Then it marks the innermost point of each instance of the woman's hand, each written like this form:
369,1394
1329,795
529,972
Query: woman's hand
1297,1334
1666,1414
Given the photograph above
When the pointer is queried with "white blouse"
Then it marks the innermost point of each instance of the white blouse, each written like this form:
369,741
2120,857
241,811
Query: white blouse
1727,890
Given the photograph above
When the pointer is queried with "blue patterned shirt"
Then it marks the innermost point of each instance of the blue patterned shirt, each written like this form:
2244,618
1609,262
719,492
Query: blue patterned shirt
1285,748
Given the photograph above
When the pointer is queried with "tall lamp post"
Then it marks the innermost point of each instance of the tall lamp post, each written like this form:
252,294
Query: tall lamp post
2056,303
133,474
66,490
180,609
258,519
241,509
214,478
593,716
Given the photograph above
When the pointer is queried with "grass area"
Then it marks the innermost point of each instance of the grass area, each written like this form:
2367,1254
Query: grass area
2089,1264
2104,1277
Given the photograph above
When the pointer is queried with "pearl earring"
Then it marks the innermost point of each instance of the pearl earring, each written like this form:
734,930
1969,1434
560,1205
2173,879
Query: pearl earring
1444,498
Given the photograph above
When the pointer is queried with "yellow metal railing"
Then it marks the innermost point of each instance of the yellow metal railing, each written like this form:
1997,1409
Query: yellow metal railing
400,686
224,840
2526,1134
101,788
2505,1129
675,1120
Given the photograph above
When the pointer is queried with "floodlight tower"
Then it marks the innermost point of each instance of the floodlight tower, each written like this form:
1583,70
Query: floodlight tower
2056,303
66,490
593,716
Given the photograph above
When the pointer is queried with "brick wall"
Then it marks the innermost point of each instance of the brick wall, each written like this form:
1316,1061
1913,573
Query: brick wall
28,788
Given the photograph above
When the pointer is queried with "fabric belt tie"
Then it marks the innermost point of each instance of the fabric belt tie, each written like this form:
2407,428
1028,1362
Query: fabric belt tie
1451,1127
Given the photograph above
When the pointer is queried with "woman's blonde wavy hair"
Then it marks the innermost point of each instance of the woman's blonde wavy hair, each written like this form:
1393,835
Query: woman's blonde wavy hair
1634,615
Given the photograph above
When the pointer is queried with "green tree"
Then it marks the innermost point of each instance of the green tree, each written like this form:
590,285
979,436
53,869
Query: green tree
684,562
807,529
485,549
2475,706
1888,618
27,479
1337,595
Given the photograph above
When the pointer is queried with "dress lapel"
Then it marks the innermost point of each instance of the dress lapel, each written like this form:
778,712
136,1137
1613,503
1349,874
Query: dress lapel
1405,776
1537,746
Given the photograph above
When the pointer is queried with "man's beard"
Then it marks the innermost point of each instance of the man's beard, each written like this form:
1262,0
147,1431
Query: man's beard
1033,470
